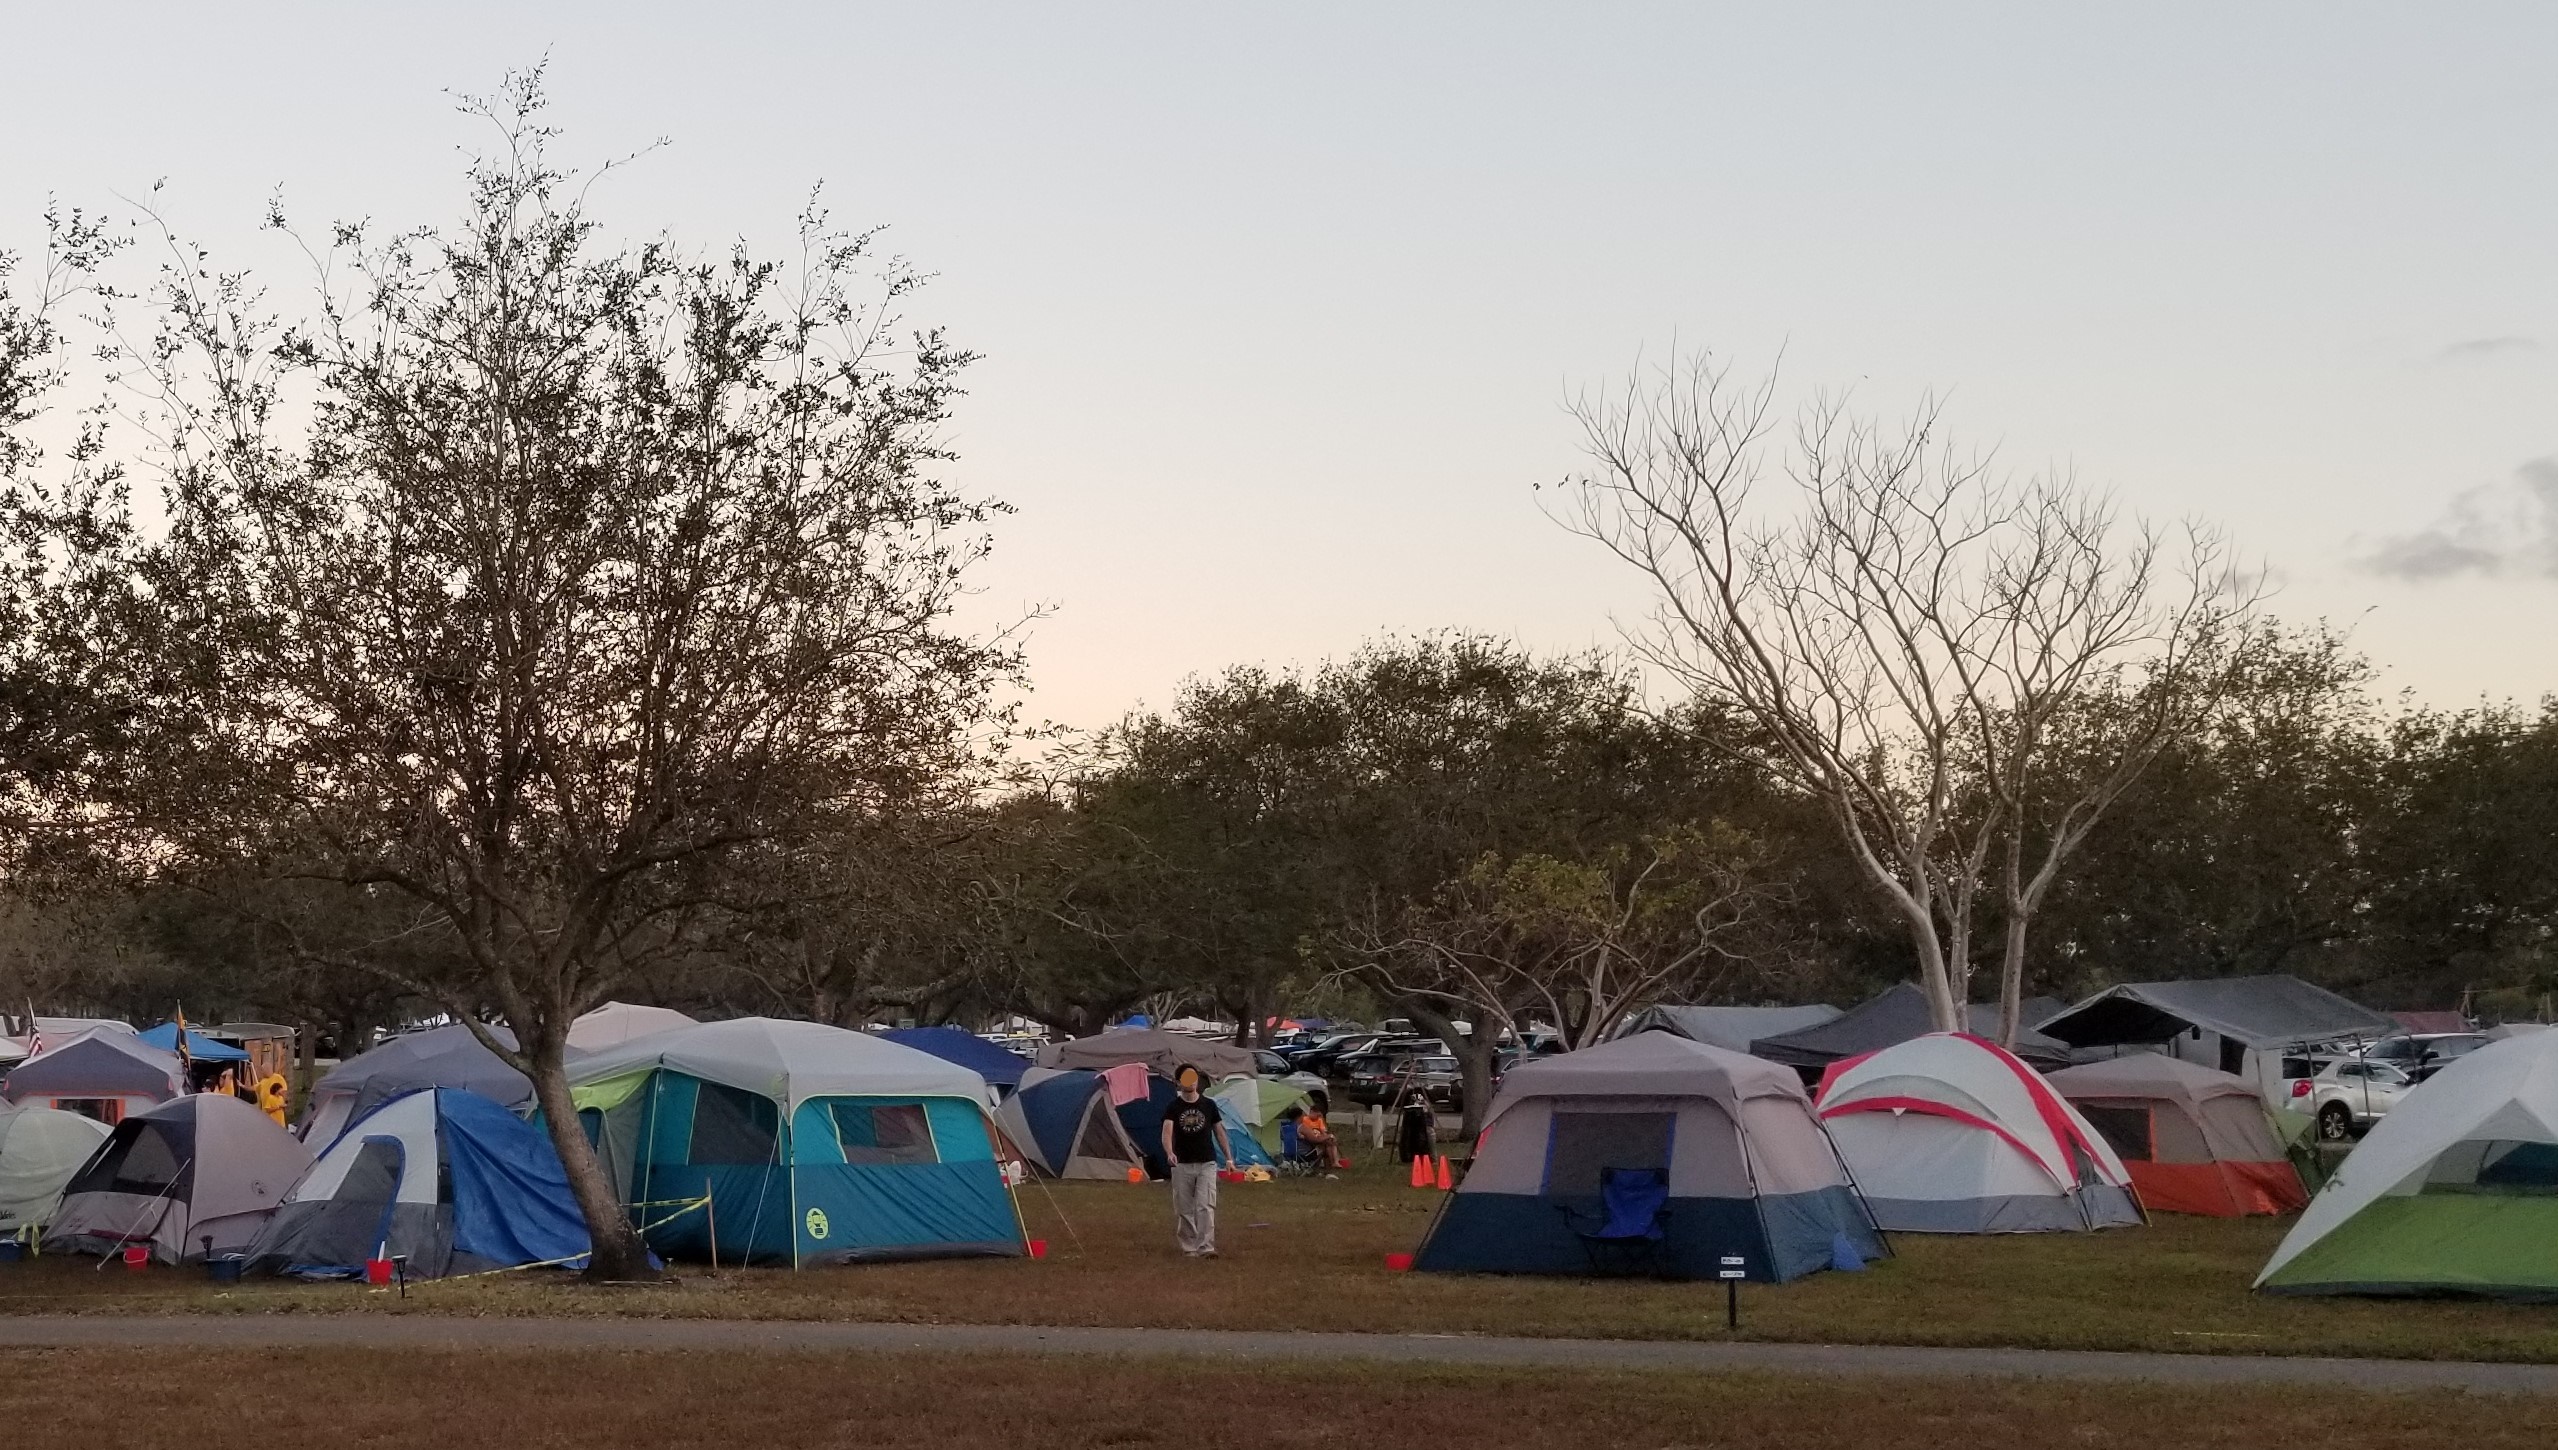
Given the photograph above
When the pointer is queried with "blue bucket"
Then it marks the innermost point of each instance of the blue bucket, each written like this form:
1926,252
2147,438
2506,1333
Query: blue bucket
225,1268
11,1251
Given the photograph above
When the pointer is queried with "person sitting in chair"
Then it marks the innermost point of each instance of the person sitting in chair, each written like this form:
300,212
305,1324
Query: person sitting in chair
1314,1132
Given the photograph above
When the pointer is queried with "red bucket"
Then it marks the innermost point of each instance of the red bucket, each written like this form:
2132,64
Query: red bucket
1039,1248
1229,1175
136,1255
1399,1263
377,1271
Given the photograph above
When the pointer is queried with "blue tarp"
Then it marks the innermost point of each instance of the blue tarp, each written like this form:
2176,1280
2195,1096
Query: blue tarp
199,1046
511,1200
996,1065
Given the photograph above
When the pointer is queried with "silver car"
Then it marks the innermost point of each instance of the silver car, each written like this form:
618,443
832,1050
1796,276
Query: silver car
2347,1097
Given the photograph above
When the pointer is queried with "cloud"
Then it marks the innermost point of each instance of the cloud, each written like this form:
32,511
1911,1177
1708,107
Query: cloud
2481,347
2502,530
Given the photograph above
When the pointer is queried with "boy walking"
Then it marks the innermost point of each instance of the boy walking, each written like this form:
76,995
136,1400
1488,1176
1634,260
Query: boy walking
1195,1147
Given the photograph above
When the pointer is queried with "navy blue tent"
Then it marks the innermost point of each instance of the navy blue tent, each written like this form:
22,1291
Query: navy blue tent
997,1065
1062,1123
1747,1171
442,1177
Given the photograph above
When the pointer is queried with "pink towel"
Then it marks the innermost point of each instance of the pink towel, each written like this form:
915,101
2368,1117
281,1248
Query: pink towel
1127,1083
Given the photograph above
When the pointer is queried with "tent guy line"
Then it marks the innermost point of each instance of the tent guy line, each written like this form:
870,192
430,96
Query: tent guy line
423,1331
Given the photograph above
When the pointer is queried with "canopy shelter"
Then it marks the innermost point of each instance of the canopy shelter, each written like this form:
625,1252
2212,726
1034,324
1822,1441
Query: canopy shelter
1731,1028
439,1057
1749,1172
2218,1022
441,1177
196,1174
615,1023
40,1148
1163,1053
2195,1140
200,1048
104,1073
1951,1133
1062,1122
813,1145
1000,1067
2454,1191
1896,1016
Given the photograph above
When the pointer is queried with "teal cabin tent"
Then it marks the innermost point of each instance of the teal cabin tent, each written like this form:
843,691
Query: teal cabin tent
758,1140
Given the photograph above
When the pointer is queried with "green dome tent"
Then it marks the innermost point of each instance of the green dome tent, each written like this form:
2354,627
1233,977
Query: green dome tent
2455,1191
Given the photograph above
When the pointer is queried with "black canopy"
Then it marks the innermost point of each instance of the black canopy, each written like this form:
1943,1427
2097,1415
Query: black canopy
1897,1016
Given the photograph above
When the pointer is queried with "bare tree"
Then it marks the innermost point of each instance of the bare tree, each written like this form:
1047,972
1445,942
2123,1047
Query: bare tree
1576,944
1903,647
600,571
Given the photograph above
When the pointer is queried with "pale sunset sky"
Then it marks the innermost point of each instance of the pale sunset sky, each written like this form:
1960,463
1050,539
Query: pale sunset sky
1280,304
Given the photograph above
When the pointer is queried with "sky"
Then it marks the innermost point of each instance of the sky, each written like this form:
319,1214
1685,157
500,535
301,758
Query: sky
1280,306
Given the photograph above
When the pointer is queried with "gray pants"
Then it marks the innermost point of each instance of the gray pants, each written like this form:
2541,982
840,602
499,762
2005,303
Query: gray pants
1194,1207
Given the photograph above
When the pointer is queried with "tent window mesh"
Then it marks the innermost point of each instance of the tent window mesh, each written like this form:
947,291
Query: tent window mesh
2501,1167
150,1166
1582,1144
733,1126
2125,1129
884,1133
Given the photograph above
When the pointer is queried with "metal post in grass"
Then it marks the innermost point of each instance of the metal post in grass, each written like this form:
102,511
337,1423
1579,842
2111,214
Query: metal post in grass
1734,1268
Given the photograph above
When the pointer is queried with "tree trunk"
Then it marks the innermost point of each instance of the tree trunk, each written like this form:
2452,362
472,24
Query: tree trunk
618,1252
1474,1054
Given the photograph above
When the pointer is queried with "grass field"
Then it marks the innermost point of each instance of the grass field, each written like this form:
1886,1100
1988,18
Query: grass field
1310,1255
625,1401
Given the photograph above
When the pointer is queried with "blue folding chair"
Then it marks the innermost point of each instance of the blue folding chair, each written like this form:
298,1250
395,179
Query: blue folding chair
1629,1228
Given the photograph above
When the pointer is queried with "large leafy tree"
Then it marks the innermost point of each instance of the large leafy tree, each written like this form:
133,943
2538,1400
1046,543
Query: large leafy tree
600,571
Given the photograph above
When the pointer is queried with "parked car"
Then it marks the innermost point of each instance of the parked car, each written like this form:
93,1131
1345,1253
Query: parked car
1376,1075
1266,1063
1324,1058
2349,1096
2443,1051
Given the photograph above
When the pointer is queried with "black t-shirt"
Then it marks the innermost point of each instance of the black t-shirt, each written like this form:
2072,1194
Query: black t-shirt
1194,1130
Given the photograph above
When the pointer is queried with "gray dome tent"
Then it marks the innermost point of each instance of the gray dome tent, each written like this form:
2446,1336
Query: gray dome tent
440,1057
197,1168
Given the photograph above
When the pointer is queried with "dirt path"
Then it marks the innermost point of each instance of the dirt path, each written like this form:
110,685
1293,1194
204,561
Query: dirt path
392,1331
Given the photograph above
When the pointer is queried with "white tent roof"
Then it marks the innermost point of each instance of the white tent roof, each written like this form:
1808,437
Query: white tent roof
1955,1075
2506,1091
789,1062
615,1023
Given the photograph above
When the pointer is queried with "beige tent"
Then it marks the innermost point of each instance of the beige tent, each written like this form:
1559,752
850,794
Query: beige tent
1163,1053
2195,1140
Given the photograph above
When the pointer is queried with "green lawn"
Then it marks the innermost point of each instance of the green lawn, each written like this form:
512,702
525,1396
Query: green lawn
1310,1255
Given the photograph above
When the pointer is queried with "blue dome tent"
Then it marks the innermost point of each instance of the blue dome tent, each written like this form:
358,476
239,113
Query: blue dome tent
442,1177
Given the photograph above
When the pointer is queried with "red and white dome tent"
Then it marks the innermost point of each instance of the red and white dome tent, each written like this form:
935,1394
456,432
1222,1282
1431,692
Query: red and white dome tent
1950,1133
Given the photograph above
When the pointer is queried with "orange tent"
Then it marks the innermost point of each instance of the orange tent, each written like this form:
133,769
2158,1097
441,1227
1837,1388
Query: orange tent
2195,1140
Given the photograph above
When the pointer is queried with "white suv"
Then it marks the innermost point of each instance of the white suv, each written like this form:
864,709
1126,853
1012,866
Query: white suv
2353,1094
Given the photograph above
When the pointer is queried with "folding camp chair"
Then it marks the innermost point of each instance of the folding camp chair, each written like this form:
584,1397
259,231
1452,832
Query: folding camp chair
1628,1230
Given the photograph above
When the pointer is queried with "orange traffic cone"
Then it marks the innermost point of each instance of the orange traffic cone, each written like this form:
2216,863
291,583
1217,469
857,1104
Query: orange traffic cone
1445,1183
1421,1170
